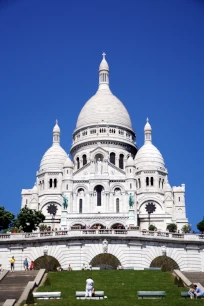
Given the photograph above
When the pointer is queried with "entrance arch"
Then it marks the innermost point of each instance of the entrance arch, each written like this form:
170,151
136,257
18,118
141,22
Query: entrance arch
117,226
165,261
105,261
46,262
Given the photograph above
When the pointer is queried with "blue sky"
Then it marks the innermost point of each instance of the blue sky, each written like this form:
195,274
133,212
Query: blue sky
50,51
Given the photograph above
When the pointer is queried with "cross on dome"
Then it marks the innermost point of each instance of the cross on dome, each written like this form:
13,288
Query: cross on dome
104,55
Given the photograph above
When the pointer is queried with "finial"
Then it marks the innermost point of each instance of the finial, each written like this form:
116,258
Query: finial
56,121
103,54
147,120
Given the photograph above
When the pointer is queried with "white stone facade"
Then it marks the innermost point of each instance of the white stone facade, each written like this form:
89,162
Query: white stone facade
107,169
132,248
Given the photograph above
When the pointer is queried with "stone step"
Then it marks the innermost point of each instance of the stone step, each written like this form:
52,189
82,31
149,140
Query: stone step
13,284
195,277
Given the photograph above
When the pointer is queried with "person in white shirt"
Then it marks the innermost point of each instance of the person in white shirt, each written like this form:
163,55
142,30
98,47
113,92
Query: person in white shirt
89,286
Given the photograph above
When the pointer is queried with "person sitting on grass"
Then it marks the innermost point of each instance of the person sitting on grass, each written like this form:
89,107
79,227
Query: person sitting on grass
83,267
69,268
195,291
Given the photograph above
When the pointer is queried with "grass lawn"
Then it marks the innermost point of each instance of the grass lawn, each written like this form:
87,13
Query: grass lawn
119,286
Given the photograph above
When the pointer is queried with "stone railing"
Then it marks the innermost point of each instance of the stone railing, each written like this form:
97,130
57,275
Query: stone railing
102,232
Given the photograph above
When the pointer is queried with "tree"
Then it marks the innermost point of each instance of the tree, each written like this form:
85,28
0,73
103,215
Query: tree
186,228
152,227
6,218
172,227
200,226
29,219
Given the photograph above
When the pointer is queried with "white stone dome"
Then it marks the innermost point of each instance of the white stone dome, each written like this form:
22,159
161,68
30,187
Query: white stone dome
104,107
68,163
130,162
149,157
54,158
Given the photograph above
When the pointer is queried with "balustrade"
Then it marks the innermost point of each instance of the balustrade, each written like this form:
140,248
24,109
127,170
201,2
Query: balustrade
81,232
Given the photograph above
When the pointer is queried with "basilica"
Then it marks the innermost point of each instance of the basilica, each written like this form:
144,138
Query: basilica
108,182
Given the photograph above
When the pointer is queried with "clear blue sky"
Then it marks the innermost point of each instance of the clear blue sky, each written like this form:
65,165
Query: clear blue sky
50,51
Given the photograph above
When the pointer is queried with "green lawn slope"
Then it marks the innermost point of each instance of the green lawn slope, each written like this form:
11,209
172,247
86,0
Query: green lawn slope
119,286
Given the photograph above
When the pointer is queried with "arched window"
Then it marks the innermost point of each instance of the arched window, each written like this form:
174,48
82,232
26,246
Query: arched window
67,187
130,186
50,183
67,171
84,159
136,183
159,182
121,161
98,190
152,181
162,184
80,206
55,183
112,158
27,201
147,181
117,205
139,183
78,163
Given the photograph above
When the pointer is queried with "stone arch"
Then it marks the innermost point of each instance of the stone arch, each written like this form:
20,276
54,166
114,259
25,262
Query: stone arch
116,222
166,262
99,151
151,199
83,186
117,185
47,262
99,222
105,261
82,224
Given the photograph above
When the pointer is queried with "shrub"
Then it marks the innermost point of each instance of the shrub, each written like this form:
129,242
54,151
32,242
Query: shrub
172,227
186,228
200,226
152,227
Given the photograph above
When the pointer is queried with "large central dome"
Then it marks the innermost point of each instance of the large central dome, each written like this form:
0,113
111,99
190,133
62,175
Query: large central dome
104,107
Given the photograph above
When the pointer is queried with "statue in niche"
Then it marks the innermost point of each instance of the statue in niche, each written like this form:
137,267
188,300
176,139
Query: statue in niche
99,166
131,201
105,246
65,202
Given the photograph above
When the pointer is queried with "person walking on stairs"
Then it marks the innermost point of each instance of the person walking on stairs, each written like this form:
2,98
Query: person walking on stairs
12,262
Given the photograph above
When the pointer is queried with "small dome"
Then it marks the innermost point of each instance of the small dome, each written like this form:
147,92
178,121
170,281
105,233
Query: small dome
130,162
35,189
56,128
68,163
147,126
54,158
149,157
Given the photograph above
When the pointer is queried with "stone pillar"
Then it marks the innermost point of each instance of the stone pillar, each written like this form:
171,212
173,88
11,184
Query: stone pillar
74,203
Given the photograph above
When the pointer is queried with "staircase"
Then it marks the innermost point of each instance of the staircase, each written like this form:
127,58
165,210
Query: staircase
13,284
195,277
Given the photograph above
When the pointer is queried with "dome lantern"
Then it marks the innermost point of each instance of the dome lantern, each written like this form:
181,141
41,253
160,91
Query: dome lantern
103,73
56,134
147,132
